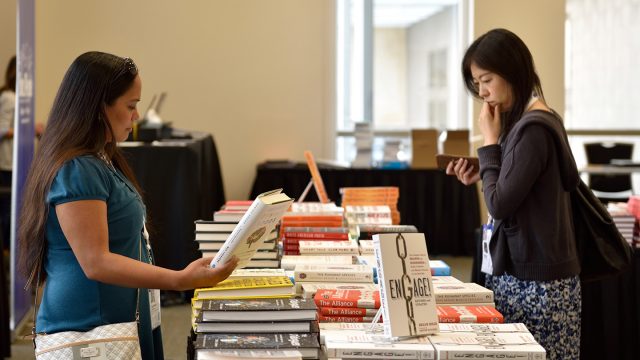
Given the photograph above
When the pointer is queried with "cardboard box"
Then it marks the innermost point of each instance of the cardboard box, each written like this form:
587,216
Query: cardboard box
457,143
424,147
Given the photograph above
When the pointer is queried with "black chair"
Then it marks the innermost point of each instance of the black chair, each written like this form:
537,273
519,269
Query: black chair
609,188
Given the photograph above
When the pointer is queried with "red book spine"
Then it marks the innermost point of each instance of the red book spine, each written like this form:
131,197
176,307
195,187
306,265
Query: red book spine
316,235
346,311
349,319
347,298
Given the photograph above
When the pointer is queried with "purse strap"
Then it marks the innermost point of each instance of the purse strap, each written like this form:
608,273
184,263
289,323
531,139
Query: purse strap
35,298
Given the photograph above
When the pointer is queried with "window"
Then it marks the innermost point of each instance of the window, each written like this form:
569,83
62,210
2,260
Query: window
398,69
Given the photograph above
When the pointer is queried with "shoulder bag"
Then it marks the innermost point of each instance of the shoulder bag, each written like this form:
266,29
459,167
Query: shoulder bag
111,341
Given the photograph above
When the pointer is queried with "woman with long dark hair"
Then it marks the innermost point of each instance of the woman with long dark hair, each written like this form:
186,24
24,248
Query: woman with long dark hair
82,219
527,171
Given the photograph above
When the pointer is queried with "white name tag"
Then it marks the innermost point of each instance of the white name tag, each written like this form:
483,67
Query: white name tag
154,308
487,232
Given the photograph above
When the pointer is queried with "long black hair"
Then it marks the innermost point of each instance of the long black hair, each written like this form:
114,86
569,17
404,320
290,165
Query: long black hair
10,76
77,125
502,52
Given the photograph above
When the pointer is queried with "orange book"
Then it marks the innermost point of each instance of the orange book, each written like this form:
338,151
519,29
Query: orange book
469,314
346,319
347,298
346,311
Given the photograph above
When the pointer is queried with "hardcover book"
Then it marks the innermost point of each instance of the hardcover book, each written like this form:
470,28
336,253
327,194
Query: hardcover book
204,226
309,289
483,328
463,293
334,273
347,298
249,287
487,346
256,327
289,262
261,218
469,314
206,354
368,346
306,343
258,310
406,291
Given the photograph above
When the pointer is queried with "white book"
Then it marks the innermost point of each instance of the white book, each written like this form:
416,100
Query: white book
328,247
482,328
333,273
484,346
445,280
369,346
240,273
259,255
217,245
406,292
209,354
289,262
462,293
263,215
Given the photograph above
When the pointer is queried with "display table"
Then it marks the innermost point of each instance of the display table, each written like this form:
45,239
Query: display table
611,316
438,205
181,182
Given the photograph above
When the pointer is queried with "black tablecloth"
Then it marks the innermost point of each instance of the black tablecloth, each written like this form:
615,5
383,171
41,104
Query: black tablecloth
181,182
611,316
437,204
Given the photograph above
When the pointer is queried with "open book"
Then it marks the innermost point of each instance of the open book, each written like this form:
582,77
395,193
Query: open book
263,215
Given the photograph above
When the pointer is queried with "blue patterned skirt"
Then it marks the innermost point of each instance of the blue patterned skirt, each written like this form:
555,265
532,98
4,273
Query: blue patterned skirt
550,310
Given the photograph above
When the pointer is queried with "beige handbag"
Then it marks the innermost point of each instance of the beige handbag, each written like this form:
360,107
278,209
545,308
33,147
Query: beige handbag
111,341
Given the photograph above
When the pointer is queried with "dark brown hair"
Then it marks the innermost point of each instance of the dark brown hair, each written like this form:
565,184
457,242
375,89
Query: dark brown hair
77,125
502,52
10,76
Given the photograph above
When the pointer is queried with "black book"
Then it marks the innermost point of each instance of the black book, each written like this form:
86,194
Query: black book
256,327
306,344
258,310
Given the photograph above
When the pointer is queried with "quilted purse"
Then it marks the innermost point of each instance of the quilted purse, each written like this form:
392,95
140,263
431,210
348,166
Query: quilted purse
110,342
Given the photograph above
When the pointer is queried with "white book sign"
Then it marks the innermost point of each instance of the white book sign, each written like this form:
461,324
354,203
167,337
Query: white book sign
263,215
406,291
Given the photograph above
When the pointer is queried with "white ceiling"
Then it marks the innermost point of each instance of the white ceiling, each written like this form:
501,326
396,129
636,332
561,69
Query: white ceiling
404,13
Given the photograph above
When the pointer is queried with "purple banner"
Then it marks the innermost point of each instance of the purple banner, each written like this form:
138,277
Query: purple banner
22,146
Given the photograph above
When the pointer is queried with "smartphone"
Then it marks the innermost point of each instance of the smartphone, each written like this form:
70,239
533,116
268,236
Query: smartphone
443,161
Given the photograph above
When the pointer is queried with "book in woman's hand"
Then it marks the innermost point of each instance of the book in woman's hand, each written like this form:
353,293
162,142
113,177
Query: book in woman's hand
263,215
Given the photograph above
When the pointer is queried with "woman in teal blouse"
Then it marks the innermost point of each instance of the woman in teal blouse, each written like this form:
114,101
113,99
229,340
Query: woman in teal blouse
82,218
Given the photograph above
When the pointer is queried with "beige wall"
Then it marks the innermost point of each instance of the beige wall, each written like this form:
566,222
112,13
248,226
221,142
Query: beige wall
258,75
7,34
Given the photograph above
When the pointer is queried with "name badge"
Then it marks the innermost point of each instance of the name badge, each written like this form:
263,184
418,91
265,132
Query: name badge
487,232
154,308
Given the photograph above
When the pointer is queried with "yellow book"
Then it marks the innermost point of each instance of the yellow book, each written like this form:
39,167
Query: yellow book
248,287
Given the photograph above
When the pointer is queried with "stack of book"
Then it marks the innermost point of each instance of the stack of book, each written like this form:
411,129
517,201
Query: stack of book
453,341
292,236
311,215
257,324
376,195
625,221
210,235
333,274
357,306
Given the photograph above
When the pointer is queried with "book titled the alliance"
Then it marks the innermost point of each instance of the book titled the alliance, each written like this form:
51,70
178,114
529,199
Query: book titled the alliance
306,343
261,218
406,291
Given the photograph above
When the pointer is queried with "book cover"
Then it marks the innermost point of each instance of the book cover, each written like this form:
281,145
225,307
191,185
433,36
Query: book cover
369,346
318,184
462,293
482,328
347,298
406,290
309,289
247,287
347,311
261,218
307,344
203,226
487,346
469,314
258,310
333,273
347,319
256,327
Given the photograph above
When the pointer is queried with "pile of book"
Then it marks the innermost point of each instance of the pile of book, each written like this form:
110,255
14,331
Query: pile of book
453,341
372,196
347,305
264,326
311,222
330,275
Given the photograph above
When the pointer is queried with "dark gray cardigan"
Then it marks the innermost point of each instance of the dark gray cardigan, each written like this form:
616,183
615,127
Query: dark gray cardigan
526,183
